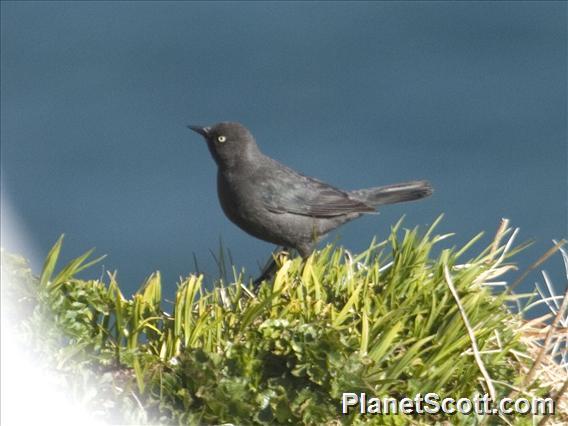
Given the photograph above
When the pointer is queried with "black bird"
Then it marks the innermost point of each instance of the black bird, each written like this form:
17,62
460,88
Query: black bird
277,204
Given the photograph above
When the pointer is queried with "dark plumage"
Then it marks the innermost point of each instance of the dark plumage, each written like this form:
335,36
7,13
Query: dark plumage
277,204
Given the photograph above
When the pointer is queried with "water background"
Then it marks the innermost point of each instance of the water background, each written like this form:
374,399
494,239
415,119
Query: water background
95,97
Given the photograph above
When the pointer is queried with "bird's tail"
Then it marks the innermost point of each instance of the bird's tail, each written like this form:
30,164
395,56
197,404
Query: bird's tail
397,193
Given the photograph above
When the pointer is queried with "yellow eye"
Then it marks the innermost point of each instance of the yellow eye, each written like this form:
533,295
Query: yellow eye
221,139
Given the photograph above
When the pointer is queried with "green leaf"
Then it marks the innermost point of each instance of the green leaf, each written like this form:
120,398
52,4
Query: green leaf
50,262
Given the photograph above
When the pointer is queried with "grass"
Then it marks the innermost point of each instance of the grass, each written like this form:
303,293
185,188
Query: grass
391,321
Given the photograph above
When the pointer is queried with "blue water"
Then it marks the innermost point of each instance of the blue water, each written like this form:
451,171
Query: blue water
95,98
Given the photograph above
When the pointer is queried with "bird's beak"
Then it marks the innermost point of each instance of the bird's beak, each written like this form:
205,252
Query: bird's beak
203,131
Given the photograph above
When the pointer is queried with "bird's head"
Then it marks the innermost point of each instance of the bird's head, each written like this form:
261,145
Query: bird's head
229,143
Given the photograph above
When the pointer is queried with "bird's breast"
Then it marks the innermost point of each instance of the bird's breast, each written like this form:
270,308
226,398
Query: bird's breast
237,198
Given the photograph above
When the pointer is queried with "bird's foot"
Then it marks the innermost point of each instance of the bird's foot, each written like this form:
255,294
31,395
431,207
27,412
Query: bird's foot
269,270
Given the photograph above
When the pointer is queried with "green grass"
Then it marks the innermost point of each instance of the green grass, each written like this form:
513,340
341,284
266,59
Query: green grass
383,322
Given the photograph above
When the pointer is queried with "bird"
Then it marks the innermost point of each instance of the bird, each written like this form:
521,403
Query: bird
277,204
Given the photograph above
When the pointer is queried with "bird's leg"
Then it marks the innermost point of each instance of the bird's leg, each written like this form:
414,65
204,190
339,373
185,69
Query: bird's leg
269,268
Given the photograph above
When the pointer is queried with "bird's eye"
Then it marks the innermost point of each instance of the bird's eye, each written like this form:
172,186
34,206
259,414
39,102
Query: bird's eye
221,138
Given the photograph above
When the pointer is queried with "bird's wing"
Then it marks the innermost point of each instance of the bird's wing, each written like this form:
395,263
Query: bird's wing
287,191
